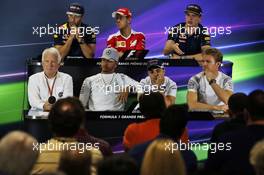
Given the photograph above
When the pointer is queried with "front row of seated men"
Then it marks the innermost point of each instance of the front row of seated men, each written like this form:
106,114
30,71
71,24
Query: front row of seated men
108,90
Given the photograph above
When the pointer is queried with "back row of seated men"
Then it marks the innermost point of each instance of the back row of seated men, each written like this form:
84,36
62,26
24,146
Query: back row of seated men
184,39
108,90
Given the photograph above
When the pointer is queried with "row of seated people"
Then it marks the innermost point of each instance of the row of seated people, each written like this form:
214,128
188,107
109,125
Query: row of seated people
74,38
109,90
159,155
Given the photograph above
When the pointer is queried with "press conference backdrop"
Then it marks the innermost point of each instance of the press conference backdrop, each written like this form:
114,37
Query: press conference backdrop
243,46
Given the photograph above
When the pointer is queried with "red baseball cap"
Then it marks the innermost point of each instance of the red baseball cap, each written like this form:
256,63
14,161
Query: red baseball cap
123,12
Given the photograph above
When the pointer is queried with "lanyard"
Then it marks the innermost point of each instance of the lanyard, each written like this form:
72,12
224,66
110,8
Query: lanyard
50,89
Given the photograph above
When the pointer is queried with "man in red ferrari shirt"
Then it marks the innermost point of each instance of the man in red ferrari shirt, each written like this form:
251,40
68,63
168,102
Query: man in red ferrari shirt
126,38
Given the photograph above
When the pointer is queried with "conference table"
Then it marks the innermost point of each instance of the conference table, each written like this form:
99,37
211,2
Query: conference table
110,125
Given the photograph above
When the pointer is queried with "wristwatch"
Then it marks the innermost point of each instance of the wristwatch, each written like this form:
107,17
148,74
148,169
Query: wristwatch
212,81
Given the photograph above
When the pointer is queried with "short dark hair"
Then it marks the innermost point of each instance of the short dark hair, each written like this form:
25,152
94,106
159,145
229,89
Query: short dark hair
238,102
118,165
174,121
214,52
75,162
152,105
66,117
256,105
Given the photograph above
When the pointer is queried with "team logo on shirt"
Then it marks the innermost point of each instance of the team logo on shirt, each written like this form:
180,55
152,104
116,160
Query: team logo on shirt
191,84
60,94
182,36
108,52
207,38
120,44
133,43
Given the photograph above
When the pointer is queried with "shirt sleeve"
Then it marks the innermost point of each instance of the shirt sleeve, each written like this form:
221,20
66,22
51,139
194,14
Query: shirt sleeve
111,42
130,82
143,86
68,87
85,93
129,136
34,94
228,84
206,39
173,34
172,88
57,39
140,42
193,85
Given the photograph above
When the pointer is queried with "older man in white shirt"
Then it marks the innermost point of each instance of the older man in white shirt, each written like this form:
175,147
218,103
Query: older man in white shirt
45,87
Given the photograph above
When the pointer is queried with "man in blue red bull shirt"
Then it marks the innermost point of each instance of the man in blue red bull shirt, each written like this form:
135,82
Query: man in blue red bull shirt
75,38
188,39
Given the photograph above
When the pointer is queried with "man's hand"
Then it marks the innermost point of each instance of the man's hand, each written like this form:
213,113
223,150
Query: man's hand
222,108
47,106
160,78
123,95
79,37
210,75
177,49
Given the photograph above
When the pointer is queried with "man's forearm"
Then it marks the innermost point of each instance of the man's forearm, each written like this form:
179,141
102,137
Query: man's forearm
168,49
170,100
64,49
87,51
198,105
221,93
197,56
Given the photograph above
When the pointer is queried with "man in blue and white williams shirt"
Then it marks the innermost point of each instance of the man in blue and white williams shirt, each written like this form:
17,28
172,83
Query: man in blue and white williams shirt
107,91
157,81
210,89
45,87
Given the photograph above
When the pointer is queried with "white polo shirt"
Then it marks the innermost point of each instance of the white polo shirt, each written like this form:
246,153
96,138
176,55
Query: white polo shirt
198,83
169,86
100,92
38,91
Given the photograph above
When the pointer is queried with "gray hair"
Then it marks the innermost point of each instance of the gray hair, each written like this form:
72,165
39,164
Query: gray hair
17,146
51,50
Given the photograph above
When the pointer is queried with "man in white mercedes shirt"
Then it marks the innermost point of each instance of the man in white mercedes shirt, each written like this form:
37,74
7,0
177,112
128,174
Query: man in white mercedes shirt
107,91
157,81
210,89
45,87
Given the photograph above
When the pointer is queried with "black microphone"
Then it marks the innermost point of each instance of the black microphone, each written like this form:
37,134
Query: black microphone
52,100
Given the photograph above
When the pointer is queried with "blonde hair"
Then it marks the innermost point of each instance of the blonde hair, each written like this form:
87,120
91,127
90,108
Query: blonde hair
51,50
17,156
257,157
158,160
